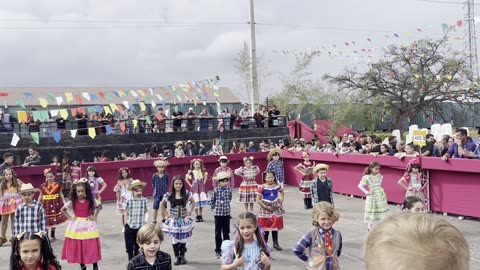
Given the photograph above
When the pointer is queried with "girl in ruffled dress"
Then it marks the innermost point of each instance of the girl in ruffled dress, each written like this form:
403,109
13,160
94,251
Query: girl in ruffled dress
121,189
196,179
9,200
247,192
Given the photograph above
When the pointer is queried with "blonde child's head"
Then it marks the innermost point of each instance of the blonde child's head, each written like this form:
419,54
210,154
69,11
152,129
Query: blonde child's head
416,241
147,233
328,209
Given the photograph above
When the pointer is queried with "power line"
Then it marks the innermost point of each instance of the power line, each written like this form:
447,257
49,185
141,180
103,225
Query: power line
444,2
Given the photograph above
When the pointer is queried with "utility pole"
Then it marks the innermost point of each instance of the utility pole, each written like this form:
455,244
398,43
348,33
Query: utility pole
254,100
471,46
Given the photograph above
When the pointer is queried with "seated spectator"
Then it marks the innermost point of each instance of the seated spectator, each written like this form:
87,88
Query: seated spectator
416,241
216,148
447,141
190,150
345,148
353,149
384,151
409,152
375,145
261,147
145,154
297,147
399,149
104,157
308,146
251,147
167,153
463,147
154,151
132,155
179,150
123,156
235,147
202,151
317,146
330,147
242,148
33,159
427,150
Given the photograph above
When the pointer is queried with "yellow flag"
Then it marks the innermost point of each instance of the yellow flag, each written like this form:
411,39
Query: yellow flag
22,116
43,102
113,106
107,110
92,133
135,122
142,106
449,77
121,93
69,97
64,113
141,92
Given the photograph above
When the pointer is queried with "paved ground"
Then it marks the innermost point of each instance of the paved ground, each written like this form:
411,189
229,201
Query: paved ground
200,253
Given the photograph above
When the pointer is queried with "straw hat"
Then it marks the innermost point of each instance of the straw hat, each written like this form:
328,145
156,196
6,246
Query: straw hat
319,167
223,158
160,162
136,183
274,151
222,175
178,143
27,188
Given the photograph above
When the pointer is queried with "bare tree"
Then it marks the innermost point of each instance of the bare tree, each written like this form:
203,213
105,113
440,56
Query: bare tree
408,80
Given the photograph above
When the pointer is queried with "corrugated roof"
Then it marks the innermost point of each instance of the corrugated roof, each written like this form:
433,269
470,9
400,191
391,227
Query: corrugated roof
105,95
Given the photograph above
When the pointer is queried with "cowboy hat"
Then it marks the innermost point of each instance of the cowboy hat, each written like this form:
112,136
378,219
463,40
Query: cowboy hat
136,183
223,158
178,143
222,175
26,188
190,141
273,152
159,162
319,167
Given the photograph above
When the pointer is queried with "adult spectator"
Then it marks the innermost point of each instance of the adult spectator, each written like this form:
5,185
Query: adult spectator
6,122
245,114
436,150
190,149
177,117
205,118
235,147
273,116
161,121
427,150
7,162
226,118
190,115
61,122
447,141
154,151
462,147
127,117
202,151
399,148
104,157
235,120
82,121
409,152
352,141
142,122
33,125
167,153
33,159
375,145
259,118
251,147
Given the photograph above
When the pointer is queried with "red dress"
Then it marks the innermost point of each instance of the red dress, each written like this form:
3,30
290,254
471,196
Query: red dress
39,266
53,203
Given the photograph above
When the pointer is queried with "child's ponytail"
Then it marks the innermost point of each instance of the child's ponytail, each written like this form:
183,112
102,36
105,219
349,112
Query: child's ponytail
372,165
261,241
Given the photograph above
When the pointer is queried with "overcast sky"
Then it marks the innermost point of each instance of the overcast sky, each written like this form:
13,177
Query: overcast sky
159,43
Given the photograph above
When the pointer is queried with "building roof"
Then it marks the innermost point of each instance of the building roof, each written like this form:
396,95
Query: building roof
74,96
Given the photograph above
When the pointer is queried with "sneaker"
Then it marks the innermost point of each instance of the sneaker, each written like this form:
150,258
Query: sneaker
219,254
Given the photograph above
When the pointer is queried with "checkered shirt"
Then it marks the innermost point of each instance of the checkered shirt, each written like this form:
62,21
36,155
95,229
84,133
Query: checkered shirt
136,212
30,218
160,185
163,262
277,167
220,201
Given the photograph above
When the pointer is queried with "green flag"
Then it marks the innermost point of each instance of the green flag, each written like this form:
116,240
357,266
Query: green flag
35,137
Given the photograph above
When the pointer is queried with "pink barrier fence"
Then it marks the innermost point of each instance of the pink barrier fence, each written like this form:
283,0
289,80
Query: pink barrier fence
454,185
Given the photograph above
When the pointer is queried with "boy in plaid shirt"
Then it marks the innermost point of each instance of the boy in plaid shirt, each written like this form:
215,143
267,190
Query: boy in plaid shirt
30,215
136,211
220,203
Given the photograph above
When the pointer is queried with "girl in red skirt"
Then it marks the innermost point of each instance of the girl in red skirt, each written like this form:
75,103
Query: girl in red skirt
82,243
305,169
270,198
248,188
51,196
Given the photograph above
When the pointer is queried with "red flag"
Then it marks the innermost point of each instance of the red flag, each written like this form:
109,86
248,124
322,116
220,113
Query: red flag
79,99
459,23
102,94
120,108
3,94
74,111
122,126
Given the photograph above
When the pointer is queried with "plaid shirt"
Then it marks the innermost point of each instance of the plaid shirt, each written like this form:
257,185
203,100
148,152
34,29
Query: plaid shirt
30,218
163,262
160,185
306,243
277,167
220,201
136,212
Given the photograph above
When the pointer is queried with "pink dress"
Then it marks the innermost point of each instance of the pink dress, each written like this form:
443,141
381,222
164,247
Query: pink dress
82,242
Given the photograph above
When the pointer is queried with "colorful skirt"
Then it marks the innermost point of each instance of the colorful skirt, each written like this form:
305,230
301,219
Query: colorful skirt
376,207
121,205
53,210
247,192
9,203
82,242
178,228
199,194
271,221
306,184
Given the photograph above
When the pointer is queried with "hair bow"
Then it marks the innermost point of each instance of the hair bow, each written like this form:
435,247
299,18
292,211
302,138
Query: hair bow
79,181
46,171
247,158
40,234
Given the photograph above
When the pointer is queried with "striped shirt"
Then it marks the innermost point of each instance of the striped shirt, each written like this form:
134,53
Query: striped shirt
135,210
30,218
163,262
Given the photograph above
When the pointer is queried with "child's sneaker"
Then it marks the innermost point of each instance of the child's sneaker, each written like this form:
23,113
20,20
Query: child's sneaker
219,254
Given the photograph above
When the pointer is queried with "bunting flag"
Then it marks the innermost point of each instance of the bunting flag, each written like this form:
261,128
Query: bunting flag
51,97
121,93
22,116
73,133
152,102
167,112
92,133
122,127
43,102
21,103
135,123
141,92
107,110
459,23
59,100
64,113
28,95
69,97
120,108
116,93
74,111
133,93
35,137
101,94
79,99
57,136
54,113
151,91
15,140
113,107
108,97
149,121
108,129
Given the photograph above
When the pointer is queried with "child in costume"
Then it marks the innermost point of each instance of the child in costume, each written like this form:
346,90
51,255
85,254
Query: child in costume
122,192
270,197
30,214
179,223
413,204
305,169
95,181
376,207
82,242
160,186
220,203
136,211
9,200
75,171
51,195
320,247
247,192
322,185
149,238
223,160
33,251
249,250
276,165
198,177
413,177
